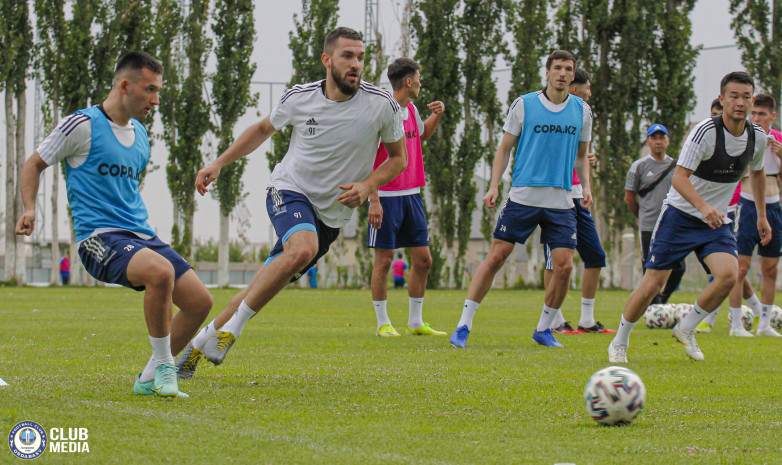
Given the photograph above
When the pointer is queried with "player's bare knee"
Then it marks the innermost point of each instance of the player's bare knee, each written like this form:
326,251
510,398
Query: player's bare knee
423,263
383,263
494,262
302,256
159,276
563,268
769,271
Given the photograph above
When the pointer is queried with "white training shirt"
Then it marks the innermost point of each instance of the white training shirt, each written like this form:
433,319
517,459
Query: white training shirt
72,138
699,147
543,196
333,143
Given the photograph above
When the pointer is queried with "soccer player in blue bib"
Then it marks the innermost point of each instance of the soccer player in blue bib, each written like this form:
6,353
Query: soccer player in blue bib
714,156
105,149
552,128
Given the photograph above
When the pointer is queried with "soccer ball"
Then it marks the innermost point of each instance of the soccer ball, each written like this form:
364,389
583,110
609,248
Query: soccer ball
776,317
680,311
659,316
614,396
747,317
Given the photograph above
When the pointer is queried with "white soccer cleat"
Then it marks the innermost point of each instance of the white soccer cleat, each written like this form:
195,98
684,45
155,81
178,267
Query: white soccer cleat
740,332
690,344
617,353
767,331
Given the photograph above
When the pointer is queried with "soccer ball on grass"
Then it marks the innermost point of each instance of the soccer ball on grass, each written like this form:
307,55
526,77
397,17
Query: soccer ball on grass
614,396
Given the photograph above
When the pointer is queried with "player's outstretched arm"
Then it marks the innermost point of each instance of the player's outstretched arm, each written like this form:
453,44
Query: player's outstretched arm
758,181
430,124
582,169
500,164
251,139
31,175
632,202
681,182
356,193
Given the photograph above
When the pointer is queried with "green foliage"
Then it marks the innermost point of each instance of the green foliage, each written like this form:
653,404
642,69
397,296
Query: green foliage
531,30
263,253
16,43
757,25
234,31
318,18
207,251
191,117
122,26
435,25
365,256
436,275
50,49
76,57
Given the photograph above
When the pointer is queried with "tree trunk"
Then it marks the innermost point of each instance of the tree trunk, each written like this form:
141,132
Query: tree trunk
21,154
10,175
54,275
76,266
223,276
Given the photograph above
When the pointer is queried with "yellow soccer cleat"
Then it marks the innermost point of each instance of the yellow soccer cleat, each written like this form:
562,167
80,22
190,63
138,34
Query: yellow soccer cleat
703,327
425,330
386,331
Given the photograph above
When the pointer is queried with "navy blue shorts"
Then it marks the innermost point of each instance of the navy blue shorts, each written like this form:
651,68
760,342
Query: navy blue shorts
734,224
676,234
587,243
748,236
106,256
517,222
404,224
291,212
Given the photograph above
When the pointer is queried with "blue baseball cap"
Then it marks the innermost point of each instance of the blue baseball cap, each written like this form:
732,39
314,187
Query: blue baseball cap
656,128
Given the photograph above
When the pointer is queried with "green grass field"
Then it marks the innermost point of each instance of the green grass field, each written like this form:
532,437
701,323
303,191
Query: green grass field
309,383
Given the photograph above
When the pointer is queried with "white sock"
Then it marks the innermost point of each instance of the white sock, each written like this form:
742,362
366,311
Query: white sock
765,317
161,349
468,312
712,317
735,317
755,305
199,341
546,317
558,320
381,313
693,318
416,319
238,320
587,313
623,332
149,371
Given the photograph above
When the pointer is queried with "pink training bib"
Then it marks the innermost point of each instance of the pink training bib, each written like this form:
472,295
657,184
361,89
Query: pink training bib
413,175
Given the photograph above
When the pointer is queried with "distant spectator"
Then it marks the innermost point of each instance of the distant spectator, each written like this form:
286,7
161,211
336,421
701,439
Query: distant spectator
65,270
399,267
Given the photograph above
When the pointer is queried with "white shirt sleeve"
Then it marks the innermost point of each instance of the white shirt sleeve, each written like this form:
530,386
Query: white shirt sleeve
699,145
393,126
761,143
419,122
281,114
70,140
586,129
515,120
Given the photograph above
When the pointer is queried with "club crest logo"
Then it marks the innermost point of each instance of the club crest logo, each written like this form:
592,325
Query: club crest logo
27,440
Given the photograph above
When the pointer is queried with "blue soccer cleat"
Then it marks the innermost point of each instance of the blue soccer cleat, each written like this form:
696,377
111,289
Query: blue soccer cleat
459,337
545,338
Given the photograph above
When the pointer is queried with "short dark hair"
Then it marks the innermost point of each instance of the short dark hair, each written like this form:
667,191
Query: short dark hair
399,255
560,55
401,69
581,77
716,104
740,77
766,101
136,60
335,34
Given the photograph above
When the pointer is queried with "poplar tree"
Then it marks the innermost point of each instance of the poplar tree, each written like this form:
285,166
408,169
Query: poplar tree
191,117
435,26
757,25
50,63
318,18
16,49
234,31
480,30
